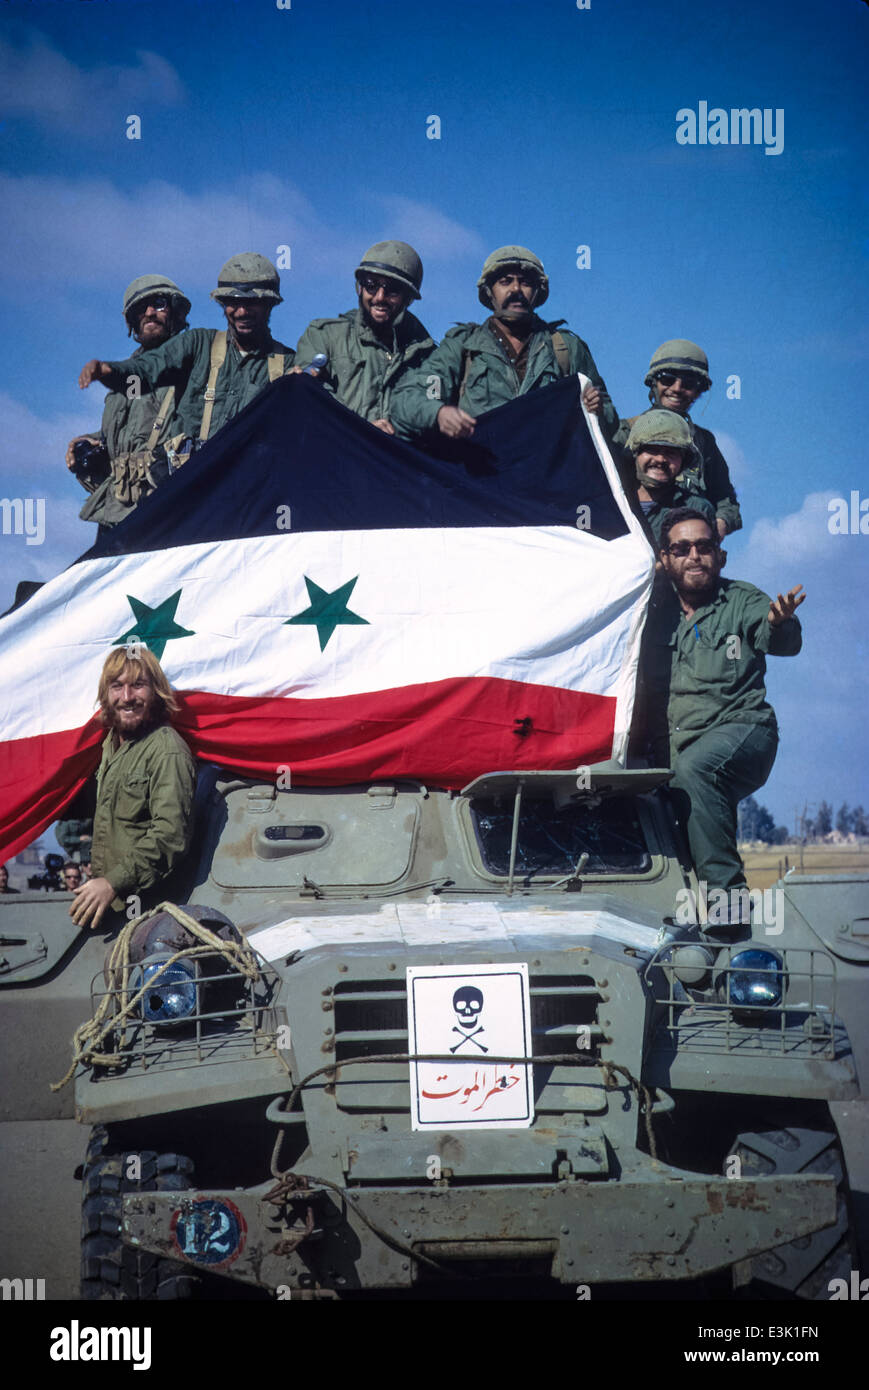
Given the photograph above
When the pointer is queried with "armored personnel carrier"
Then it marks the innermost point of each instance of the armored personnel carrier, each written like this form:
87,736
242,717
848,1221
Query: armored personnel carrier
409,1040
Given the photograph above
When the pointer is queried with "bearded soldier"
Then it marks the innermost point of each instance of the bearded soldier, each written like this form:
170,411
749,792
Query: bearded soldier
372,348
215,372
122,465
704,655
145,783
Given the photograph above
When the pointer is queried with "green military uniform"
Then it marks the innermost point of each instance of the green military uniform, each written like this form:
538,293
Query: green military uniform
708,475
472,370
185,363
362,371
143,817
127,429
655,513
708,713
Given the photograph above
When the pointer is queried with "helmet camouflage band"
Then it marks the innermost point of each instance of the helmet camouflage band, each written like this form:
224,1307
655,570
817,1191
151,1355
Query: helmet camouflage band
395,259
505,256
145,287
248,276
665,428
679,355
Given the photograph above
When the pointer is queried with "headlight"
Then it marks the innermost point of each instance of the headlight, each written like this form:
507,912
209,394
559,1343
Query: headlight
690,964
753,980
174,992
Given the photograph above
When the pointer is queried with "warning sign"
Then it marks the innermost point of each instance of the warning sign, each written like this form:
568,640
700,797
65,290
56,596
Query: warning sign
470,1015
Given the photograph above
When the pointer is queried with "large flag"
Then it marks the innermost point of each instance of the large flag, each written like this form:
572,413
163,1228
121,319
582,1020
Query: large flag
335,606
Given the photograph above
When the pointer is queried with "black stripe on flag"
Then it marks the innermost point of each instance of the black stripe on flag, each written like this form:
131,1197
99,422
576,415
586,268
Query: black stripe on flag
531,462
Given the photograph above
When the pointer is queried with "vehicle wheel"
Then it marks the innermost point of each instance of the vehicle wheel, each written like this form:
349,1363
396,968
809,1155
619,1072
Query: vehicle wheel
110,1269
805,1266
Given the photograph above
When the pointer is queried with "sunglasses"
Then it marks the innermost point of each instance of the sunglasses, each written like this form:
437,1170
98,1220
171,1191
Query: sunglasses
157,301
694,383
389,287
682,548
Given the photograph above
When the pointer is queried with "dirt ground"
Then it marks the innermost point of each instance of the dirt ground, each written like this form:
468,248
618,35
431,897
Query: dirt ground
764,867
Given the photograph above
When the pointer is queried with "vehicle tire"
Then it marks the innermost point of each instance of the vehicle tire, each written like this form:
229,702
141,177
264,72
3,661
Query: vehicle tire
804,1267
110,1269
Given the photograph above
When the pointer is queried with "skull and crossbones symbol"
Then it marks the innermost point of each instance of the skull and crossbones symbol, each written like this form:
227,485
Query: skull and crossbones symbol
468,1003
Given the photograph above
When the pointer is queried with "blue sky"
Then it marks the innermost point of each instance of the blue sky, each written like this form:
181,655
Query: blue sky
306,127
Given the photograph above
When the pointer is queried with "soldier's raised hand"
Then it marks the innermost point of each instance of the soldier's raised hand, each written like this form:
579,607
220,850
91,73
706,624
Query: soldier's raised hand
593,398
94,370
784,607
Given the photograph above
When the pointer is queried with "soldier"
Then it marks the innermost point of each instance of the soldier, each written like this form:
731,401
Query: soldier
480,366
372,348
661,444
4,880
678,375
216,373
133,427
145,785
70,877
705,659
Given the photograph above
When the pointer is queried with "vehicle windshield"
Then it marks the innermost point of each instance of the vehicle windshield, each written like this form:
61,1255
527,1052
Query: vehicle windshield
551,840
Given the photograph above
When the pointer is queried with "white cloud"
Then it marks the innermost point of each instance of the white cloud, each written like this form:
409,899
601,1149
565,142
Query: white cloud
109,235
32,466
39,83
801,537
425,226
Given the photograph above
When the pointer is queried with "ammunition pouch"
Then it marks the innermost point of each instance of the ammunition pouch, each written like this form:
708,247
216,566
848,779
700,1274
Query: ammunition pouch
134,476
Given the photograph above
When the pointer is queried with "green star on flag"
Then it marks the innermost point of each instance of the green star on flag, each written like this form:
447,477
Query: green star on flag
327,611
154,626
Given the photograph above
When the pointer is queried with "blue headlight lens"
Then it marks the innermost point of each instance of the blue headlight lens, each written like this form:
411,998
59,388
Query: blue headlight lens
173,995
756,980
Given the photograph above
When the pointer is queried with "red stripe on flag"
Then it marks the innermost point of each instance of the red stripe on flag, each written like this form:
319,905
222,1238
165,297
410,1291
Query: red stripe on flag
444,733
39,777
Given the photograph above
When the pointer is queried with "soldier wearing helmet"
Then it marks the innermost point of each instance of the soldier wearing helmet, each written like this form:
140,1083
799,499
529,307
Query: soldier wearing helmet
216,373
664,452
133,427
371,348
678,375
480,366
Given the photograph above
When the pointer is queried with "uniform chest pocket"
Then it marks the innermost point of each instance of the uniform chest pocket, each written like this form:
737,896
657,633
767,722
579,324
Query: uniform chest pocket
716,657
131,799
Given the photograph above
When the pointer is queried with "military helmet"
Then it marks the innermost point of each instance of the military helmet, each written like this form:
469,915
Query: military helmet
395,259
678,355
665,428
145,287
248,276
511,255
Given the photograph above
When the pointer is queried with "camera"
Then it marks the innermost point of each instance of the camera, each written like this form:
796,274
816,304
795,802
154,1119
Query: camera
90,461
50,880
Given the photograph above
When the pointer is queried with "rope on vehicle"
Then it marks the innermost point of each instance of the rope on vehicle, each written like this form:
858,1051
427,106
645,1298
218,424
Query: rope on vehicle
117,1004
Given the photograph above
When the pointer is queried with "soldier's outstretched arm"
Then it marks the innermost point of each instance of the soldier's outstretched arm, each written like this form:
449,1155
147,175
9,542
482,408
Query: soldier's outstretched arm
784,607
94,370
161,365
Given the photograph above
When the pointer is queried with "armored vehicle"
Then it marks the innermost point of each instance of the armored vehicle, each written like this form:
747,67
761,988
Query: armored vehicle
406,1039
